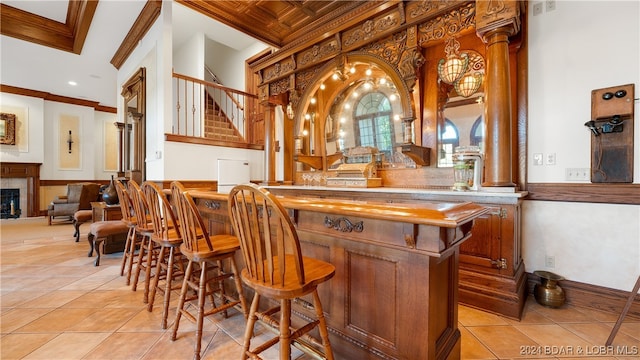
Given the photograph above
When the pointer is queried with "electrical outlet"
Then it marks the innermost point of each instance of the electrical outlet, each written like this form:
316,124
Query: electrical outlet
537,8
550,159
537,159
550,262
577,174
550,5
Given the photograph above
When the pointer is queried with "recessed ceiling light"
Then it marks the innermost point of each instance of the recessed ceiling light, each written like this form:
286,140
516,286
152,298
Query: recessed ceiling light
72,83
95,76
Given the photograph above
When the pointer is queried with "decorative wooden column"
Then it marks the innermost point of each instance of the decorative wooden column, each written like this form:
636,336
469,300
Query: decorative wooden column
495,22
269,144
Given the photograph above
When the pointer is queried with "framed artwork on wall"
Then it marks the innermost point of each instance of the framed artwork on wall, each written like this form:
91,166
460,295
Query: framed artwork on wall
7,129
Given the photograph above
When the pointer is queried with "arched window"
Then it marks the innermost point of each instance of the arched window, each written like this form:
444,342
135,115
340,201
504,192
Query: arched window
373,125
449,139
477,133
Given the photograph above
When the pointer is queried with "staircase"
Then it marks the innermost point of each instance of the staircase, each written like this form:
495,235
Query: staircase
217,126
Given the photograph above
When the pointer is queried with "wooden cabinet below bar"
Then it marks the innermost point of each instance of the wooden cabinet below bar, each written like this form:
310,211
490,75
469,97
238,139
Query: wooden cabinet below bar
395,292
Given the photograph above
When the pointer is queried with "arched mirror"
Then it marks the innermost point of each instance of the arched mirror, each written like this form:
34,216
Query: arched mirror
132,129
359,104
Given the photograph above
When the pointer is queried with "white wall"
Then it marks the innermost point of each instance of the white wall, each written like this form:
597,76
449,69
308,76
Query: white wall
29,146
200,162
579,47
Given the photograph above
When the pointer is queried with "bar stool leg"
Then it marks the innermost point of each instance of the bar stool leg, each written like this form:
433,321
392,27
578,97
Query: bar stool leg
285,329
181,301
624,312
322,328
251,322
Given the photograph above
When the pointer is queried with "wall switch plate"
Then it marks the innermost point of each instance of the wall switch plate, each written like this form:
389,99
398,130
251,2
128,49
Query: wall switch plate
550,262
577,174
550,5
550,159
537,159
537,8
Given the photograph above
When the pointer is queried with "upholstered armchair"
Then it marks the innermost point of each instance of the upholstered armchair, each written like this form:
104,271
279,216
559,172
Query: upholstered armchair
79,197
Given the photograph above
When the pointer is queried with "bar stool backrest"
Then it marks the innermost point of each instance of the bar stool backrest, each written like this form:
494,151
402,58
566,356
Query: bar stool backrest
140,206
267,236
160,210
192,227
126,205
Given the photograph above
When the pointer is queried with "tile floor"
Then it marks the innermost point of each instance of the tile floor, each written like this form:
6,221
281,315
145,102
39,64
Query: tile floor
57,305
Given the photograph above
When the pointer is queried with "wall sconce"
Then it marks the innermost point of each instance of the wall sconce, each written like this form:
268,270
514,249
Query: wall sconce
69,141
471,81
464,70
455,65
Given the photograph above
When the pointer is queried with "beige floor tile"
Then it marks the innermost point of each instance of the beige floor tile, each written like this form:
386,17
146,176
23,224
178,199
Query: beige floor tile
124,346
506,342
57,320
17,346
472,348
9,299
564,314
67,346
556,340
468,316
104,320
181,348
108,299
52,299
17,318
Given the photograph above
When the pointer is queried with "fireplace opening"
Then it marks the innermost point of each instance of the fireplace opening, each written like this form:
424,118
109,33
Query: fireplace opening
10,202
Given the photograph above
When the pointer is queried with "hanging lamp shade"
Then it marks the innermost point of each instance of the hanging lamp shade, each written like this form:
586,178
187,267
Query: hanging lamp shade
455,65
468,84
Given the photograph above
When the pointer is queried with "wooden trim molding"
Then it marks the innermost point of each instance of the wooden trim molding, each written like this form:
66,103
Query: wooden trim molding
143,23
613,193
204,141
69,36
67,182
57,98
593,297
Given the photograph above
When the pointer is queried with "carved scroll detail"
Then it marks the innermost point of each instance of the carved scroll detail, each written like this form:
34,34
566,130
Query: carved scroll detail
343,224
447,24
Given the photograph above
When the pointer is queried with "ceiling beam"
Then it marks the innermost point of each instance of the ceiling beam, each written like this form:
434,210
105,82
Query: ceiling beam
69,36
143,23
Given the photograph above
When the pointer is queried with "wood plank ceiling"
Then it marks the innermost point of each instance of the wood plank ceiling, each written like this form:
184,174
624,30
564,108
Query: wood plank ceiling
275,23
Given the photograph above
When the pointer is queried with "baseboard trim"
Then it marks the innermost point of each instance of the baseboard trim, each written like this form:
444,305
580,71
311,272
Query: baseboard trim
593,297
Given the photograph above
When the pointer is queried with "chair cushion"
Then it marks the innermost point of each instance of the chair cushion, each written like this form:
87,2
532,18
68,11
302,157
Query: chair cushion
102,229
83,215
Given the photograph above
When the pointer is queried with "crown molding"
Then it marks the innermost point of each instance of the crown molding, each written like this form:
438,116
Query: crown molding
143,23
69,36
57,98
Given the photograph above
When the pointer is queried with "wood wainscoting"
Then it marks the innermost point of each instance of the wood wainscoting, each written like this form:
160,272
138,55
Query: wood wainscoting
593,296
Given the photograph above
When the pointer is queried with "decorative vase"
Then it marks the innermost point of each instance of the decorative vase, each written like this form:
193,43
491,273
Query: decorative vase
110,195
548,292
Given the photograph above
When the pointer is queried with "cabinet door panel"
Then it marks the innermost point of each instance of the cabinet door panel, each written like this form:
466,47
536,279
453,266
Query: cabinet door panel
483,250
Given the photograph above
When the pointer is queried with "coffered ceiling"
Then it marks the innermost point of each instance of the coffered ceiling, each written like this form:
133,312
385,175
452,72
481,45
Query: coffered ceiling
46,44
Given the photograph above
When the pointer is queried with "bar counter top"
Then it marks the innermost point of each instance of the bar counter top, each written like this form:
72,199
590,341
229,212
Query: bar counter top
441,214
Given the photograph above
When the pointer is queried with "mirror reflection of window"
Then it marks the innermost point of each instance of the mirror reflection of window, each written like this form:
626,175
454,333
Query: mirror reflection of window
373,118
466,117
450,138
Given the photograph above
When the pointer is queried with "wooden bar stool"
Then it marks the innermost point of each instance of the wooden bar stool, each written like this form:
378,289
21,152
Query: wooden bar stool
276,269
148,252
207,253
133,241
166,235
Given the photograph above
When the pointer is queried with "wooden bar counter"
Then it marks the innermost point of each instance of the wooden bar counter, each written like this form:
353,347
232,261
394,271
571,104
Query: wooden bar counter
395,292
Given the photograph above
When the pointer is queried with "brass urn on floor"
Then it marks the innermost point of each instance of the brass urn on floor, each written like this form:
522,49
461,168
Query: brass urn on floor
548,292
